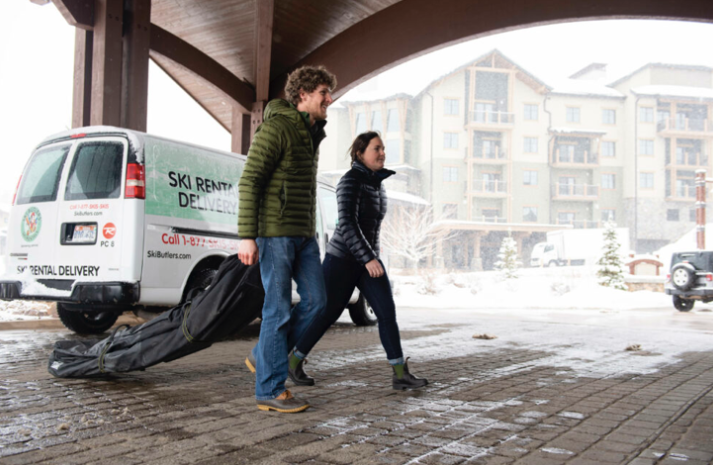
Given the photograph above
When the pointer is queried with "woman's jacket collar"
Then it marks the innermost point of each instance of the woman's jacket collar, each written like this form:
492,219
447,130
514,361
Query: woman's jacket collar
372,175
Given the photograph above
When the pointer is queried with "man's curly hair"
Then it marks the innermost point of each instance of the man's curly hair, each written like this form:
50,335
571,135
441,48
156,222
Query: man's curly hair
307,79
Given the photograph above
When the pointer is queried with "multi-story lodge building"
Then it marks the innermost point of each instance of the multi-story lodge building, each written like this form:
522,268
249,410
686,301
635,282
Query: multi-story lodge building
497,151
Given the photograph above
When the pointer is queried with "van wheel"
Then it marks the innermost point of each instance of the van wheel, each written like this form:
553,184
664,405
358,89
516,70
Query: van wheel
198,282
552,263
683,305
361,313
76,318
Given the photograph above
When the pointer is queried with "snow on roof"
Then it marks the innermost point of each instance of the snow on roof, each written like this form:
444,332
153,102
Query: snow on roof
565,130
404,197
585,88
702,93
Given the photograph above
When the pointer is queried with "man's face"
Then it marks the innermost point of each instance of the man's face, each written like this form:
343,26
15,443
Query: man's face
315,103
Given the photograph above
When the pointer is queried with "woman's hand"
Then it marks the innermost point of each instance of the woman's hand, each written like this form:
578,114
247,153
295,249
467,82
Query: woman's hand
375,269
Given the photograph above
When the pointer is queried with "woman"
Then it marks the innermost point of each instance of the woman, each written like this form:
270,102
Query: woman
352,260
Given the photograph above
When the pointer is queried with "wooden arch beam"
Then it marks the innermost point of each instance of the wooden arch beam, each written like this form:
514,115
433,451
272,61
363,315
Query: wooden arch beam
411,28
79,13
186,55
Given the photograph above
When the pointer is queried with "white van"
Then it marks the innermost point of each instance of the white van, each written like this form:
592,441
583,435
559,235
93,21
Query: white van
106,220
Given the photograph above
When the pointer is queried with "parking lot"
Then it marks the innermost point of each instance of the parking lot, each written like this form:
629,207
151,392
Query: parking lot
551,387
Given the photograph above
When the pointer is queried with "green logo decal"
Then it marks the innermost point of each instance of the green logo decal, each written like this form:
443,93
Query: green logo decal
31,224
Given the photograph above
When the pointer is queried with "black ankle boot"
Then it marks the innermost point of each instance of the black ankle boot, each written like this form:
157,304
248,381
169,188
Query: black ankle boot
407,381
298,375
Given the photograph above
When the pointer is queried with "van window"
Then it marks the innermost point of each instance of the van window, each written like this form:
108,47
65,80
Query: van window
96,172
41,177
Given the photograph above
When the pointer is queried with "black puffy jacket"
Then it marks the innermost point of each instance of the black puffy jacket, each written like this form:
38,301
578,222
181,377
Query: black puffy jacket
362,207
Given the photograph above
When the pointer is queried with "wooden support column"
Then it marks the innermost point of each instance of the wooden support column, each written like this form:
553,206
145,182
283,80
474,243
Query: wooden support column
135,73
107,63
82,87
240,131
264,17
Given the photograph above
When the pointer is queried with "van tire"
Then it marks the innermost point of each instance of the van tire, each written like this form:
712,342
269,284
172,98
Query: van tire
81,322
198,282
361,313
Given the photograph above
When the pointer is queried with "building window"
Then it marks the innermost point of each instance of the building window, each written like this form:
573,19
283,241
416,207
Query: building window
608,116
646,115
491,215
450,211
608,181
565,218
376,121
572,115
360,123
566,153
608,148
692,215
529,178
393,151
450,106
450,140
531,145
646,180
672,214
392,121
529,214
531,112
450,174
646,147
608,215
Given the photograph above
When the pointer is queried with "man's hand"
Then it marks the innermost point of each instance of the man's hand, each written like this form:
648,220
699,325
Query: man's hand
375,269
247,252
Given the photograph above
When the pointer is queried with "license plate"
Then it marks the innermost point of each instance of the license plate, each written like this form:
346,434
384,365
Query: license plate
84,233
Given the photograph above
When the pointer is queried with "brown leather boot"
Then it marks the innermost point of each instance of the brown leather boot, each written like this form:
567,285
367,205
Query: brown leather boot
284,403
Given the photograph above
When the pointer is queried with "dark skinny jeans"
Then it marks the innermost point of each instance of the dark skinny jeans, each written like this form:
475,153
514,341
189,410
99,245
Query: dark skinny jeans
341,276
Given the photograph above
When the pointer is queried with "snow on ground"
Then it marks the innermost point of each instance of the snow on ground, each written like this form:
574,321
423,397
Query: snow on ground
536,288
17,310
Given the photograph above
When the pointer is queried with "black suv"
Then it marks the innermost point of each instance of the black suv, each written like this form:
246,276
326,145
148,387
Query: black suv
691,279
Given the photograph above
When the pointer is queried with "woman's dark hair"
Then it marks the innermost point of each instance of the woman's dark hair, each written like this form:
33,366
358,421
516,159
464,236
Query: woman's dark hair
361,143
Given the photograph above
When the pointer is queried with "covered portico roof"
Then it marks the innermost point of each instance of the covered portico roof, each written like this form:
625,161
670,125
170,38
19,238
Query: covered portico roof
229,54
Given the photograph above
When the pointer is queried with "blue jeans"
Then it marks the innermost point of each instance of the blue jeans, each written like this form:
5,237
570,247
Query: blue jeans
283,259
341,276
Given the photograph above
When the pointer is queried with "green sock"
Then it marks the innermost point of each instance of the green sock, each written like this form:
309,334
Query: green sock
294,361
399,369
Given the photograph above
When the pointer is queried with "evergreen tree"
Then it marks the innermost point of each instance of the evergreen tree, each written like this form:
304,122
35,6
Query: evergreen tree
508,263
611,267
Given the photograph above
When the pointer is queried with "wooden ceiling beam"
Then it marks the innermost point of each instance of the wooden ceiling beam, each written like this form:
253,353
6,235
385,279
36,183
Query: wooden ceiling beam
186,55
411,28
79,13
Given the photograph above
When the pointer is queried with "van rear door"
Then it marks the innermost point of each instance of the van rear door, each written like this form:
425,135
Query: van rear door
32,233
90,221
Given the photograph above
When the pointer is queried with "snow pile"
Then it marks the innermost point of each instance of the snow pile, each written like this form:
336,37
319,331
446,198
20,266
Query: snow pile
560,288
26,310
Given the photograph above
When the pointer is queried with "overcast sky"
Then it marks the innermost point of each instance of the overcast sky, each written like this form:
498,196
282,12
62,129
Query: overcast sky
36,65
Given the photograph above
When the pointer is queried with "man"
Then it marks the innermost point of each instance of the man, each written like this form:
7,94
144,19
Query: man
276,222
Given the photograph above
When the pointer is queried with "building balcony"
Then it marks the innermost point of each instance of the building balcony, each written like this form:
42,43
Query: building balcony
494,156
580,224
685,126
689,160
489,219
493,189
491,119
686,192
575,192
582,160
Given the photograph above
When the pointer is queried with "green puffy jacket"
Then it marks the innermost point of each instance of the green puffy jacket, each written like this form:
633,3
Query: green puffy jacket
278,187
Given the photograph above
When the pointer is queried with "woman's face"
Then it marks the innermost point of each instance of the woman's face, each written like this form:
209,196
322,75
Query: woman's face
374,155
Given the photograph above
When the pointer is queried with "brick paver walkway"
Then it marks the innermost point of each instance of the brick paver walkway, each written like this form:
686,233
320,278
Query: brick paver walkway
500,405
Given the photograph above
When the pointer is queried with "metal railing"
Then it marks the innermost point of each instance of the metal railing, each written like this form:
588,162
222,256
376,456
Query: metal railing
489,219
577,158
492,117
489,186
495,154
684,124
574,191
